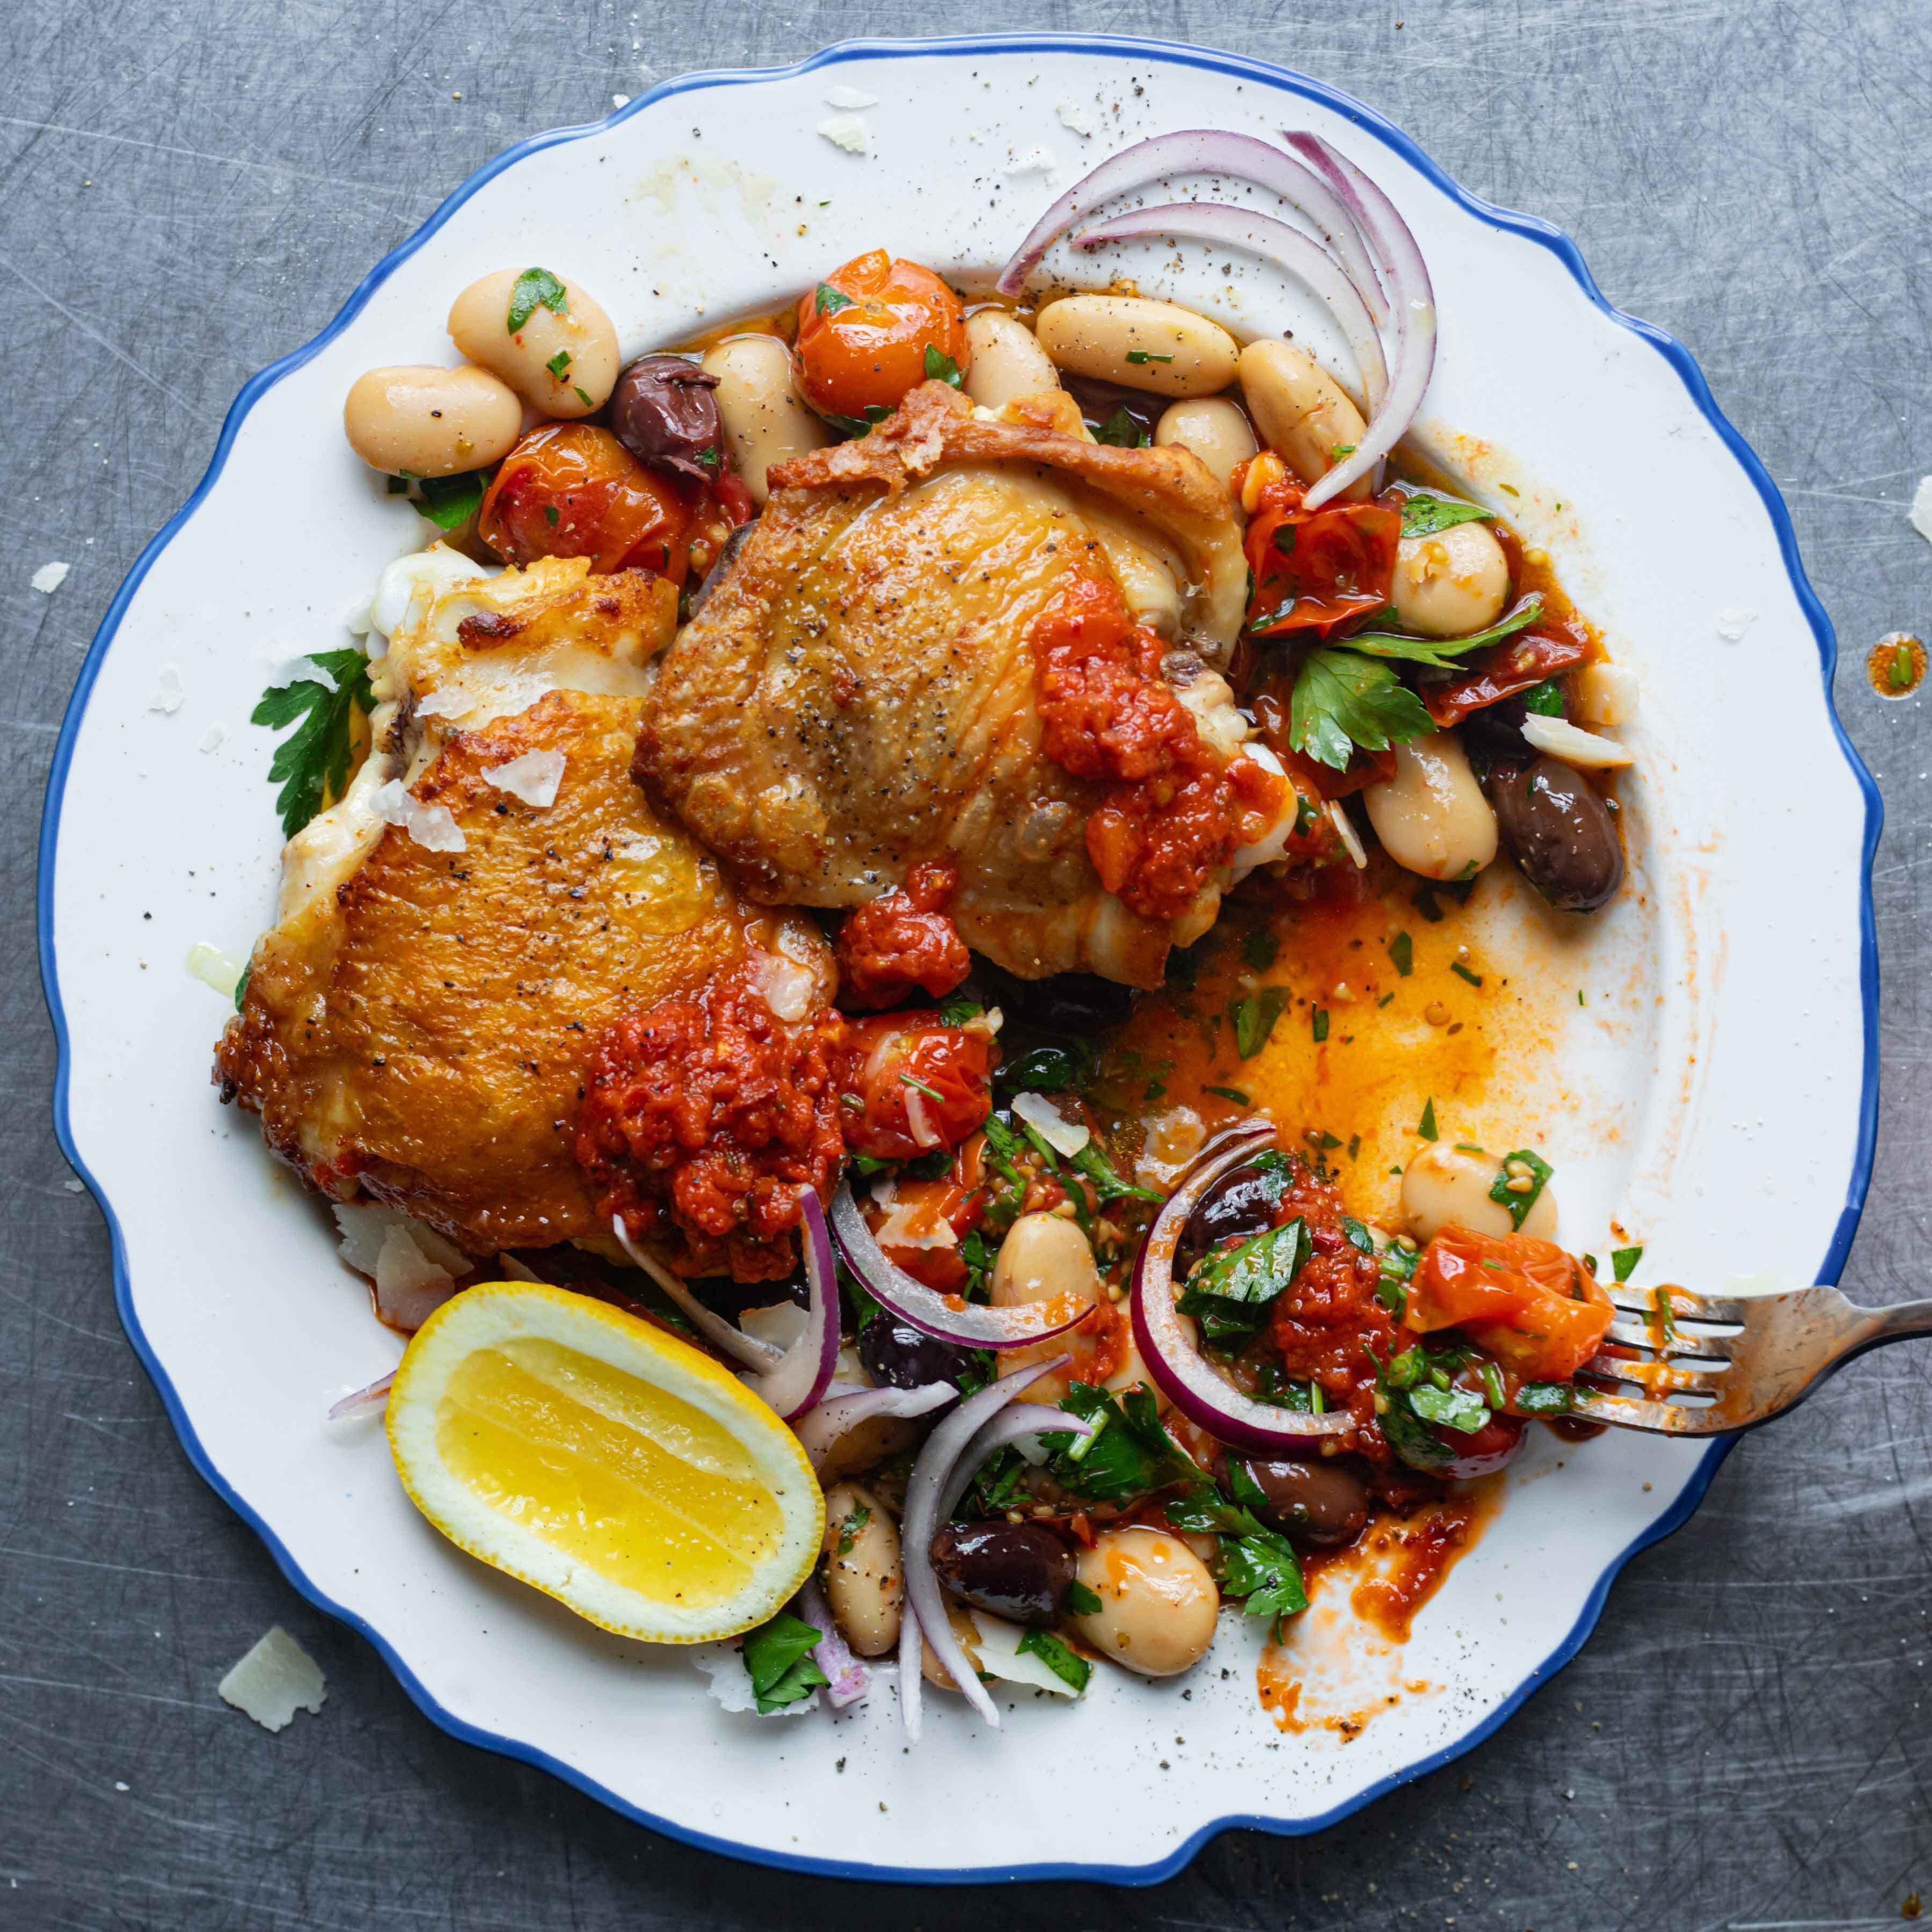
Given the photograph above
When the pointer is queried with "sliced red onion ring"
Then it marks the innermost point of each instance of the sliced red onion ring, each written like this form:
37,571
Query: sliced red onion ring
801,1377
1019,1419
970,1325
1412,298
920,1518
1204,1397
1206,151
1288,247
819,1430
374,1395
851,1679
755,1354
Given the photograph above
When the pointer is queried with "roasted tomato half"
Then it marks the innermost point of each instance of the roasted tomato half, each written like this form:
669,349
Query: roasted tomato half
1537,1309
1316,570
908,1083
1482,1454
920,1230
874,329
572,489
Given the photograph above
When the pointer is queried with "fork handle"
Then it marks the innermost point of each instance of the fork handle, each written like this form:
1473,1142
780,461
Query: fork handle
1897,1323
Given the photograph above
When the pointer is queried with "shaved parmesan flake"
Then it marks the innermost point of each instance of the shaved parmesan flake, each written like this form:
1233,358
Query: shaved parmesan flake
1035,160
910,1224
731,1682
430,826
169,695
423,573
1921,513
1173,1139
414,1268
1075,118
1059,1133
274,1680
50,577
533,777
849,98
213,968
847,131
1733,621
781,1324
1000,1656
214,737
789,988
1562,739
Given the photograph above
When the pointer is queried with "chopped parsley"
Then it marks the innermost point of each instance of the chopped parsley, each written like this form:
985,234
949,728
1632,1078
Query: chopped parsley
829,301
533,289
1442,652
1318,1025
1140,357
1624,1261
1462,973
958,1008
1050,1070
1544,1399
1092,1161
1080,1601
860,1515
1260,948
1343,700
779,1659
1397,1266
559,363
941,368
1122,430
1129,1455
1231,1290
1065,1663
1519,1200
311,764
449,501
1545,699
1424,514
1425,1127
1233,1093
1254,1019
1401,954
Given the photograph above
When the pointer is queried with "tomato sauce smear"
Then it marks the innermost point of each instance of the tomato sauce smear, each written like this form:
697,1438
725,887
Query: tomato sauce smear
903,941
1176,810
707,1112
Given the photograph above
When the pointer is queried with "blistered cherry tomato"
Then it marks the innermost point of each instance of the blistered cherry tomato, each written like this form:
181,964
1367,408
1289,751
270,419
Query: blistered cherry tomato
874,329
1315,570
1482,1454
1537,1309
908,1083
912,1232
571,489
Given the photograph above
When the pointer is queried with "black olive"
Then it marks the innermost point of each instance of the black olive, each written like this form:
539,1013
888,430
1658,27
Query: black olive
1239,1204
898,1355
1321,1503
1559,832
1076,1003
1015,1569
663,412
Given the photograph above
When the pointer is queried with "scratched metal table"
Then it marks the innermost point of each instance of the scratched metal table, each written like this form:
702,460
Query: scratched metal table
189,192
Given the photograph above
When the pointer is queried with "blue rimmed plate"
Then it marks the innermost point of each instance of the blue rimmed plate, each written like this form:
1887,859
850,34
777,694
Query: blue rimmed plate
1727,1019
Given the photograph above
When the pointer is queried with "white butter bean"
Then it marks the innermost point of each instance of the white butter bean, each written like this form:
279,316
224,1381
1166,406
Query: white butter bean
1158,1603
1005,360
865,1579
563,362
763,420
1301,410
1045,1256
430,422
1452,584
1432,817
1213,428
1142,344
1443,1186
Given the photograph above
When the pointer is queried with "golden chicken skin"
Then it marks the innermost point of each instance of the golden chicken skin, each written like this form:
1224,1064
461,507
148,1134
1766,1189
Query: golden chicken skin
989,643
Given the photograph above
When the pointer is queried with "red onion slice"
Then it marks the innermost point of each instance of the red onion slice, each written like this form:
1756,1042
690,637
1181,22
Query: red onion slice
374,1396
1412,298
851,1679
1203,1396
1288,247
819,1430
969,1325
919,1519
1212,151
1020,1419
800,1378
715,1330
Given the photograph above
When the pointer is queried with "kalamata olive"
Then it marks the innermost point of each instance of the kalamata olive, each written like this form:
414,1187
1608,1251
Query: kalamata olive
663,412
1319,1502
897,1355
1019,1570
1559,832
1067,1002
1240,1204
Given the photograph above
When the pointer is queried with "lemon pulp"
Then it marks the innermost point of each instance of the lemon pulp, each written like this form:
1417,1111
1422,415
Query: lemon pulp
626,1478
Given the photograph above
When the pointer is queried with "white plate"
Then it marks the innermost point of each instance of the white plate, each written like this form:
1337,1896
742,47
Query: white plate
1734,986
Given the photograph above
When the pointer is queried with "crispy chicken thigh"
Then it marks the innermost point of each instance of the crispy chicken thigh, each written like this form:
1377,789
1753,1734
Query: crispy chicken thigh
857,694
418,1025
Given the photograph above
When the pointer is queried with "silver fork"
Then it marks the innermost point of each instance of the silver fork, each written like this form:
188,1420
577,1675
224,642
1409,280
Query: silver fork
1740,1359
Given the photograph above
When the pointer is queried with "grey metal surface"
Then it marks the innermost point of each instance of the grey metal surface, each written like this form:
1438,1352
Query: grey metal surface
190,191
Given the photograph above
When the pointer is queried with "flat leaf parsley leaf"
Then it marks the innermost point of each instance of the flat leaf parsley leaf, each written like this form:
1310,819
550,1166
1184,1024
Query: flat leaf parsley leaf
535,289
941,368
1065,1663
1424,514
1232,1289
1442,652
312,763
778,1658
1343,700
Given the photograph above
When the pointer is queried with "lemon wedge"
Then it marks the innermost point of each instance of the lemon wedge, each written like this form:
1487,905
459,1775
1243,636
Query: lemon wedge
603,1461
